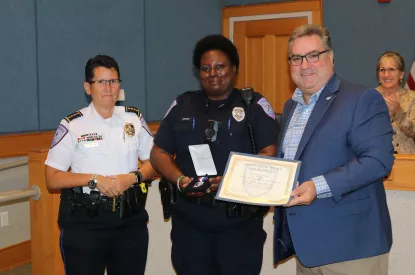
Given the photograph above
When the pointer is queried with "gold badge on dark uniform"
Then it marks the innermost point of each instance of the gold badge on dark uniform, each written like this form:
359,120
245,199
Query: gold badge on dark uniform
129,129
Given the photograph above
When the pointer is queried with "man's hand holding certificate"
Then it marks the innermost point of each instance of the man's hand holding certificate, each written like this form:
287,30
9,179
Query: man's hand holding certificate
258,180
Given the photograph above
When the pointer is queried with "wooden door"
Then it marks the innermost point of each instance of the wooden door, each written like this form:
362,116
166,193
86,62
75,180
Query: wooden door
261,32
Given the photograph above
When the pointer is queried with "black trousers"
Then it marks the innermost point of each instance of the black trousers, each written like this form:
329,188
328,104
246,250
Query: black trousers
216,248
89,245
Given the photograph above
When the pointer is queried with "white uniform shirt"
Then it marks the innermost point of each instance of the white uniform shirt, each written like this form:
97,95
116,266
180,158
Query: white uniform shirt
90,144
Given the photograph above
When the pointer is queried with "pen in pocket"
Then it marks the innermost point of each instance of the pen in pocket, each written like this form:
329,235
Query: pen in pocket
229,126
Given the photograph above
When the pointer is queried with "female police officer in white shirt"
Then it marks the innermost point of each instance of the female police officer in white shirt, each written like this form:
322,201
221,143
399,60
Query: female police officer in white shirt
101,144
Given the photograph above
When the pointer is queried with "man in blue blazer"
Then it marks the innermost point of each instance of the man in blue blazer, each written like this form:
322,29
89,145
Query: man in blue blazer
338,220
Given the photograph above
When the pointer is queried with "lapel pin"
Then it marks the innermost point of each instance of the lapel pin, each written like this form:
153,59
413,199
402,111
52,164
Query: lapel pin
328,98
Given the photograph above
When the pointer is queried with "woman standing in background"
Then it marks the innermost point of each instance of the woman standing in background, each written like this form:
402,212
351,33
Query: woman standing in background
390,72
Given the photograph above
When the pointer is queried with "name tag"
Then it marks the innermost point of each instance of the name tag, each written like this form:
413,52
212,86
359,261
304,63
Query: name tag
91,144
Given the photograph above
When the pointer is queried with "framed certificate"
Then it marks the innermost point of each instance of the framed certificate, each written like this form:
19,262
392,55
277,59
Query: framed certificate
258,180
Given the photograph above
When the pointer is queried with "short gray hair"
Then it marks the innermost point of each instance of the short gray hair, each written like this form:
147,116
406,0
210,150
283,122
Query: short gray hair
309,30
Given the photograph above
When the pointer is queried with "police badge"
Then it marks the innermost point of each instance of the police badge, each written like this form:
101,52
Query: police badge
238,114
129,129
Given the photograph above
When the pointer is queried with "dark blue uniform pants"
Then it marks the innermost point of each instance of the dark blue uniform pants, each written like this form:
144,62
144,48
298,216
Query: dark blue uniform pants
88,245
232,250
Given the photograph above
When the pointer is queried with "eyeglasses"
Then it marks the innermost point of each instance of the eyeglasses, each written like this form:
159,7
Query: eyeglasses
104,82
313,57
389,70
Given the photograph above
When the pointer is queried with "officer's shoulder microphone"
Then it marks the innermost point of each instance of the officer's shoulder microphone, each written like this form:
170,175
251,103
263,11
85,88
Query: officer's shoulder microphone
247,94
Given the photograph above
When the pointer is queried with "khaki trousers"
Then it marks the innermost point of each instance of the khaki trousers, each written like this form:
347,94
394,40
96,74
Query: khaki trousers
377,265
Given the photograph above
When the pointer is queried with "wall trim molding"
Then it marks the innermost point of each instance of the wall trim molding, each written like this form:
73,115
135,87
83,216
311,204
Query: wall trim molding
15,255
16,145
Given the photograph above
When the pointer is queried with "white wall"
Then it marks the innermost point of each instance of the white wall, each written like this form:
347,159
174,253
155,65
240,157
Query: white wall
402,211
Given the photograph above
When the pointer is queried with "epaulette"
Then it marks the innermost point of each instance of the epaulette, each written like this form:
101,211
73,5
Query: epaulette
73,116
132,109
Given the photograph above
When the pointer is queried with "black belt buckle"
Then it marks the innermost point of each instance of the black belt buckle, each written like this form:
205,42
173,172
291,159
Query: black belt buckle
109,204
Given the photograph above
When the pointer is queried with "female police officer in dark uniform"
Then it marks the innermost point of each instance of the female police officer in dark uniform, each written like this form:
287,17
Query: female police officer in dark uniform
212,237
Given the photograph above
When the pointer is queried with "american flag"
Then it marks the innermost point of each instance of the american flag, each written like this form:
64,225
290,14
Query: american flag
410,83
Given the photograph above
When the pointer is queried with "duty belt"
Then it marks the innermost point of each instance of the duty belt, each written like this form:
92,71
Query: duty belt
231,209
105,203
112,204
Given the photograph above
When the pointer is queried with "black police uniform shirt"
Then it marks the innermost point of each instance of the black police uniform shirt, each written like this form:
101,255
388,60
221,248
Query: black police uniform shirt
90,144
188,118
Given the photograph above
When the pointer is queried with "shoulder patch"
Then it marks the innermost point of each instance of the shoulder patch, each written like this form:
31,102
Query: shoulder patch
59,135
263,102
144,125
132,109
73,116
171,107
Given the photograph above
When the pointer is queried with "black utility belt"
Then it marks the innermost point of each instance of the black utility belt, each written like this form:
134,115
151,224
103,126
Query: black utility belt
232,209
110,204
133,198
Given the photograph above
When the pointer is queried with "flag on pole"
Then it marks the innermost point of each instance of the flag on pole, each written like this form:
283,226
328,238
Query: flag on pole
410,83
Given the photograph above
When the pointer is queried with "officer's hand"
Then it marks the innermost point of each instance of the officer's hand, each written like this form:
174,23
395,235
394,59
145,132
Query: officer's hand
185,182
106,186
123,182
304,194
215,183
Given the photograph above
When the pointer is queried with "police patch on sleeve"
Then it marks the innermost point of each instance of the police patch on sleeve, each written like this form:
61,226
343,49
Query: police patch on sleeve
238,113
171,107
263,102
145,126
59,135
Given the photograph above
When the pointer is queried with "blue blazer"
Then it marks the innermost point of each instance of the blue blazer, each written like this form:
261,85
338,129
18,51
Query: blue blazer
348,140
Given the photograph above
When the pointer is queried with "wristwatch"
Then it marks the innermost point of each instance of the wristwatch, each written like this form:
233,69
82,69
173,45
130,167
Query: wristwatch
92,183
138,176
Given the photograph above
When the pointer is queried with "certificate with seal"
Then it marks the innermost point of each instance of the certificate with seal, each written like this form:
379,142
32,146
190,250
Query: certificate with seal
258,180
